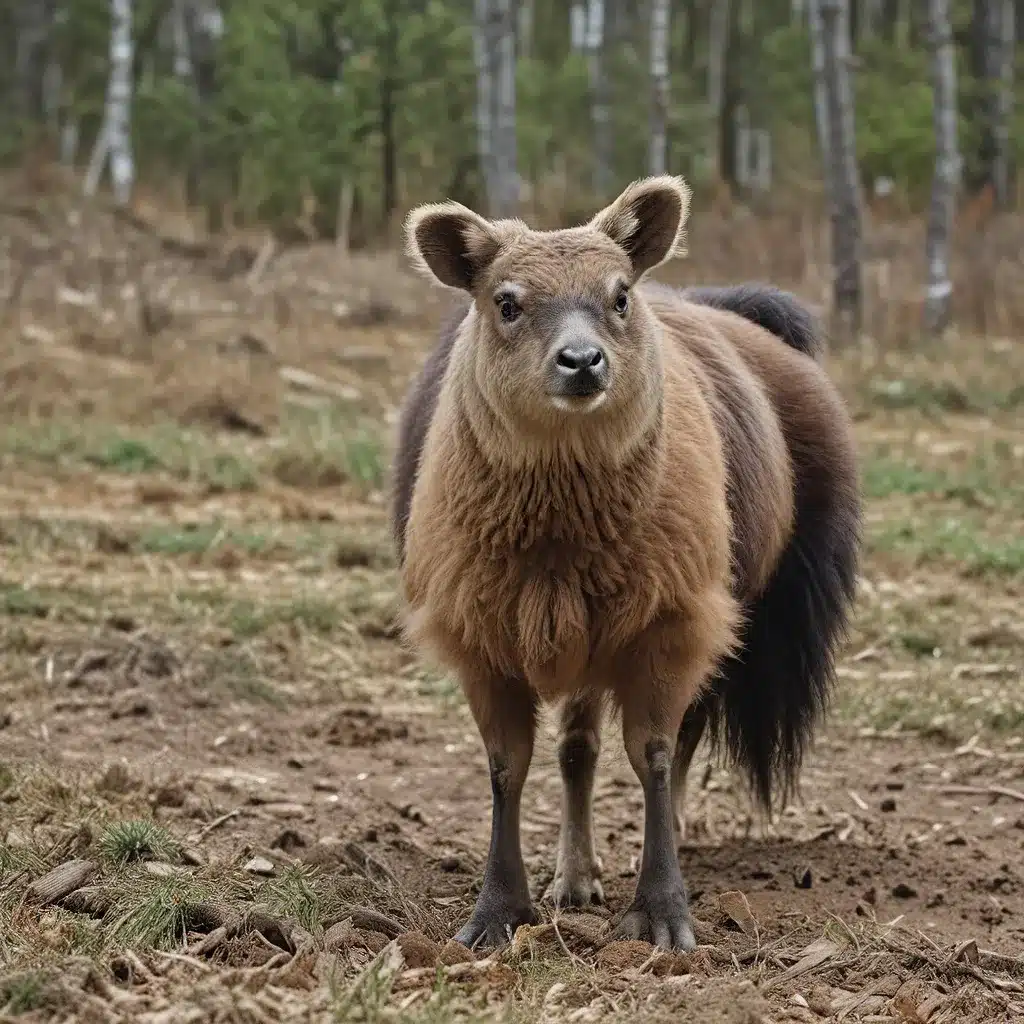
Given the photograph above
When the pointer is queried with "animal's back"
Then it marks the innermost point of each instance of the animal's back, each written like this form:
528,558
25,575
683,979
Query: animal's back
768,697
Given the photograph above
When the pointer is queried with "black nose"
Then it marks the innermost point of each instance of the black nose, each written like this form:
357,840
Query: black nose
574,358
581,370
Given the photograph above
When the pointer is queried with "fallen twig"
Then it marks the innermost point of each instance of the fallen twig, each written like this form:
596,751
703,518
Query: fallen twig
1010,794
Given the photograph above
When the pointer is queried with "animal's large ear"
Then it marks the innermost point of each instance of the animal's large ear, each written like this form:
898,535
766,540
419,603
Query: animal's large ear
648,220
451,242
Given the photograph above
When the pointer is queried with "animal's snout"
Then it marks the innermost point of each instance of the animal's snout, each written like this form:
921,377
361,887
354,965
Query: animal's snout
582,369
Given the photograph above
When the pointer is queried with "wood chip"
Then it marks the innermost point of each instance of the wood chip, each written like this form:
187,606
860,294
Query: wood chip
735,907
61,881
813,956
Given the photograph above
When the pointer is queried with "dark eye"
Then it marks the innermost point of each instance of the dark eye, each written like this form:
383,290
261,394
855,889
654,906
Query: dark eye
508,307
622,303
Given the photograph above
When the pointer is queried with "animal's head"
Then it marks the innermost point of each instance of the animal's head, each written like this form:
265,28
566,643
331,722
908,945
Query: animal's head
558,336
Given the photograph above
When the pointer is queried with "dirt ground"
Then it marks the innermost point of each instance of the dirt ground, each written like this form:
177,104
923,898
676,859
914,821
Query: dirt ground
229,793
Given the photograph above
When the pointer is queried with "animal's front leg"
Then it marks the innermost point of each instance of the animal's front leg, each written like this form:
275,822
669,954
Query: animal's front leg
652,712
577,879
505,713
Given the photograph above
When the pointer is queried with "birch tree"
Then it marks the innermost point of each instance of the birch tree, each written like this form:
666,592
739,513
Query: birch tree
114,143
656,159
494,39
599,97
830,31
718,44
939,294
483,53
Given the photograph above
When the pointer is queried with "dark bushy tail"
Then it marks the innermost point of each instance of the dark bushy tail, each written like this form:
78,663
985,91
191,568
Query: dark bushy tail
770,696
768,699
779,312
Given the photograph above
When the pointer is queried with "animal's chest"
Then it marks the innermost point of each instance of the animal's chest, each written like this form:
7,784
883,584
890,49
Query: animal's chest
559,609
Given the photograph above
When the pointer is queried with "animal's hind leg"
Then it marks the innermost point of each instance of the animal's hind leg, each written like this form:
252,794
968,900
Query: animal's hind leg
652,713
505,712
578,870
690,732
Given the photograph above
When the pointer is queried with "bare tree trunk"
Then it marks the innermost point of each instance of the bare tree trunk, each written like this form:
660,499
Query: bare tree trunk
505,114
838,145
182,50
599,105
484,53
1002,164
114,144
718,44
34,24
938,298
657,155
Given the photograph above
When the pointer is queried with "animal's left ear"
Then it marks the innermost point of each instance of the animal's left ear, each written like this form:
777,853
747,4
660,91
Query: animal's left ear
648,221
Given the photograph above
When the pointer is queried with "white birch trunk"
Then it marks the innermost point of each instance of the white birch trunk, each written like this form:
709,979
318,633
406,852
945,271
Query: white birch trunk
577,27
599,106
718,45
840,158
182,50
657,154
483,53
525,28
939,294
505,117
114,144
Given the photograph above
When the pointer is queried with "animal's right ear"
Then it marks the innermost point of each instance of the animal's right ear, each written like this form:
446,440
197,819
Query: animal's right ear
451,243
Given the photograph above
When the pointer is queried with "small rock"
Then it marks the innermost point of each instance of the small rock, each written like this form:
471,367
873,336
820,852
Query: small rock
412,813
295,762
418,950
161,869
902,891
455,953
804,880
132,704
888,805
450,863
259,866
289,840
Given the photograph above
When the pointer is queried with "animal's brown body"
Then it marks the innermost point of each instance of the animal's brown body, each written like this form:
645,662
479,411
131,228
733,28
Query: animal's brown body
600,502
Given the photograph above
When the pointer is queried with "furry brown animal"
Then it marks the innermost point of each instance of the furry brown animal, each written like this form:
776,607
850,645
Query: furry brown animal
625,494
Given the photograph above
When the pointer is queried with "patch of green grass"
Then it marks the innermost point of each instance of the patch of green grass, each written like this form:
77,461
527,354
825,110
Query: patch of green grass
25,992
923,645
953,539
293,894
153,913
884,477
125,455
247,619
198,539
123,842
16,599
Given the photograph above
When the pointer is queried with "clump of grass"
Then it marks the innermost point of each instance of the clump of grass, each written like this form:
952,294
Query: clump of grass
125,455
293,894
246,619
124,842
154,913
16,599
27,991
198,539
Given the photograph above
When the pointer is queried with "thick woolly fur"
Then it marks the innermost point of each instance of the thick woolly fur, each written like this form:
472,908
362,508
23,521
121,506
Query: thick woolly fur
688,542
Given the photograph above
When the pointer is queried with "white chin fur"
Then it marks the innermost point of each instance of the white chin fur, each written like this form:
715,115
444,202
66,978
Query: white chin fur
578,405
